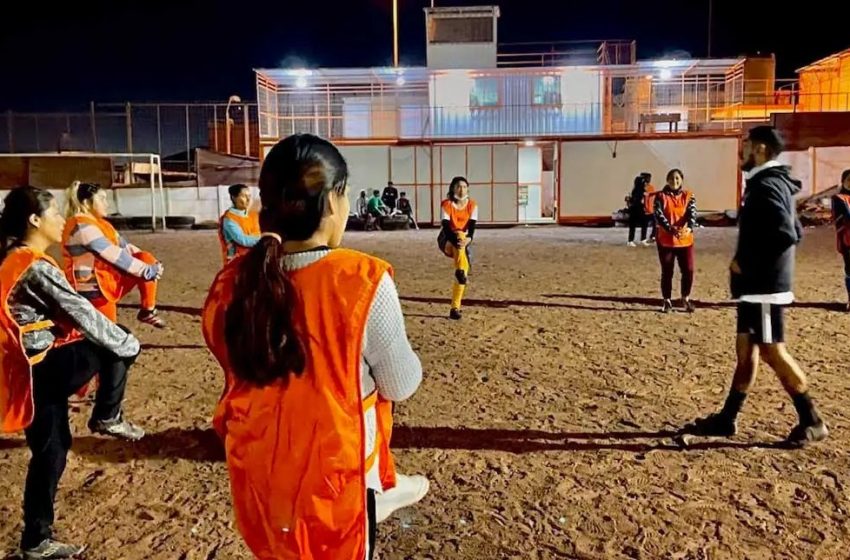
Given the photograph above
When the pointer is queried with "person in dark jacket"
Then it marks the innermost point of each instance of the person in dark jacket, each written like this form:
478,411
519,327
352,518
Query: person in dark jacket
761,280
841,217
637,216
390,196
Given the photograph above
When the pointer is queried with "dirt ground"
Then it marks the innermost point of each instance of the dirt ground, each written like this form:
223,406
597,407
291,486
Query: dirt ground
541,420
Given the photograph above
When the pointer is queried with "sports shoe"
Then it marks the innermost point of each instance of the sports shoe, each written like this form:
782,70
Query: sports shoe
151,317
408,491
49,548
646,242
667,306
716,425
455,314
117,428
688,305
631,244
802,435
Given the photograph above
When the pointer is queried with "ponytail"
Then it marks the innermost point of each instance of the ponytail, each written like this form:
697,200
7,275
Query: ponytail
76,195
258,326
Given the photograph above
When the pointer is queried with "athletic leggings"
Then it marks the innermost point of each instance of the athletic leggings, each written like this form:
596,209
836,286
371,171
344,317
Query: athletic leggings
668,257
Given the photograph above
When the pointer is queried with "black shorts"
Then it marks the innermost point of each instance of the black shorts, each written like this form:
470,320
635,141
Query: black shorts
764,322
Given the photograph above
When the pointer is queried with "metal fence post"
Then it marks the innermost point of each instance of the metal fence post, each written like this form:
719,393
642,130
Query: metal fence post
10,124
93,127
129,117
188,144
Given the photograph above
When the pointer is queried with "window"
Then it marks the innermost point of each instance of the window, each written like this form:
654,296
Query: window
484,93
461,30
547,90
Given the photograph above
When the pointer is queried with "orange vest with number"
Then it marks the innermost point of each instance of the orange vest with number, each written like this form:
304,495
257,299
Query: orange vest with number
842,231
16,402
297,450
249,224
107,276
675,210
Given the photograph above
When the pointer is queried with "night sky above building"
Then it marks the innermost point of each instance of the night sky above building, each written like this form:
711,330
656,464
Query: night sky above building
76,52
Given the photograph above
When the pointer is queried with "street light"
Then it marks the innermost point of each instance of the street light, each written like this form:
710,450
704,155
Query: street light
395,33
228,122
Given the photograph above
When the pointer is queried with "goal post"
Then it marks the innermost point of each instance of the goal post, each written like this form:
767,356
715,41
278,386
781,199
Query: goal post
45,170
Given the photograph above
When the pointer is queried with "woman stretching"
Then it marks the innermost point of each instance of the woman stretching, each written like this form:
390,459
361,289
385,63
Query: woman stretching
676,216
459,216
312,342
100,263
44,359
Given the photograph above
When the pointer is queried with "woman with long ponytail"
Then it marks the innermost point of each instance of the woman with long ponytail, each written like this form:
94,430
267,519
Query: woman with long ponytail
312,342
100,263
52,342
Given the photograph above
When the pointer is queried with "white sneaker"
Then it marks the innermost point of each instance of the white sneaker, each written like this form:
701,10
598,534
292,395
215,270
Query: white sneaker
408,491
646,242
631,244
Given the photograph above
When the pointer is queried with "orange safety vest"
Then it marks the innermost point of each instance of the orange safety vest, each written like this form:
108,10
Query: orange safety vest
842,231
16,398
296,450
649,200
458,219
675,209
249,224
107,276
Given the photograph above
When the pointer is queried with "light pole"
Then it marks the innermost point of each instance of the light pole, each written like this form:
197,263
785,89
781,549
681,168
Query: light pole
710,18
395,33
228,122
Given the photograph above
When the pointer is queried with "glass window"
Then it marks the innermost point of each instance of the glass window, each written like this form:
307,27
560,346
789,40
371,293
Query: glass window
547,90
484,92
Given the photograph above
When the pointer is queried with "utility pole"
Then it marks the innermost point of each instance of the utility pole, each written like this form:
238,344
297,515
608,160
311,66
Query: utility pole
395,33
710,21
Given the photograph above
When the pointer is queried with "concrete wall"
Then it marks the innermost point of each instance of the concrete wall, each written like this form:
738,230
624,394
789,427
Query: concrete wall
818,168
593,182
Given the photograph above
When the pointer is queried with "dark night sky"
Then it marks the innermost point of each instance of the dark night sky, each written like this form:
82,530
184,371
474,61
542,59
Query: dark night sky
72,53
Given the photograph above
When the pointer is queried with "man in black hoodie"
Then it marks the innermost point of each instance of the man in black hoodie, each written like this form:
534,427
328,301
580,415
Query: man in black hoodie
761,280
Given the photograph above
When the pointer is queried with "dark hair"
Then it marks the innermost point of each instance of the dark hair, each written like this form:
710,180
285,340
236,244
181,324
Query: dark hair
86,191
455,182
646,175
673,172
403,193
640,182
844,175
18,206
768,136
297,175
376,192
236,190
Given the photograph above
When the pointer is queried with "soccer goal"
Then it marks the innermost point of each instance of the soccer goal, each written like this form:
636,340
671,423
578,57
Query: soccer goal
125,175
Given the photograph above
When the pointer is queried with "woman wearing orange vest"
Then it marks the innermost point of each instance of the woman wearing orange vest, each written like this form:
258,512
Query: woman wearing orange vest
676,215
44,359
100,263
459,216
239,227
312,342
841,216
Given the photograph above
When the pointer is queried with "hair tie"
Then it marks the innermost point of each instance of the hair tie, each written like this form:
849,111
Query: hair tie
273,235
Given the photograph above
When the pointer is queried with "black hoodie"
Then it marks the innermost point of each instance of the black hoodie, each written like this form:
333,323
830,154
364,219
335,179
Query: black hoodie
768,232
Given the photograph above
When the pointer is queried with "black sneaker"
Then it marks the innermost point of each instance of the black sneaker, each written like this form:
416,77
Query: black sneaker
667,306
49,548
117,428
688,305
714,425
455,315
802,435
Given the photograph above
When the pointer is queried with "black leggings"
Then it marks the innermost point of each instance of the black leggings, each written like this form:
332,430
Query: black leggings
63,372
637,219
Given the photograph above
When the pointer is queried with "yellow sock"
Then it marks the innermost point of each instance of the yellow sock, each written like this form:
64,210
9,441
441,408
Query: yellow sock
457,295
461,263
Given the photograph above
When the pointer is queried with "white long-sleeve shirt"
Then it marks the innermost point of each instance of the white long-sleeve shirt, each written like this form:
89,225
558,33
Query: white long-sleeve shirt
388,362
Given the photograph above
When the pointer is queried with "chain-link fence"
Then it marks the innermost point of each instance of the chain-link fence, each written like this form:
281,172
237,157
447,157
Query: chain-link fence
173,130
